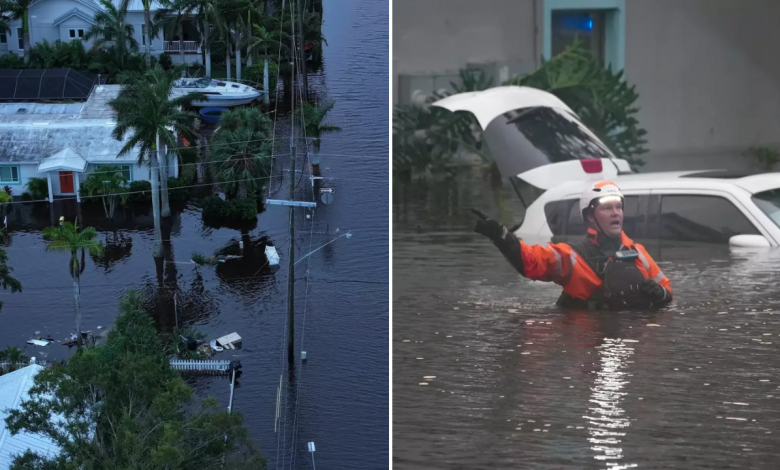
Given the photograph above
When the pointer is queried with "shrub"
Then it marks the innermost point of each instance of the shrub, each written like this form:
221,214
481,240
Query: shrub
234,213
165,61
11,61
26,196
178,192
213,207
136,197
8,190
241,209
38,188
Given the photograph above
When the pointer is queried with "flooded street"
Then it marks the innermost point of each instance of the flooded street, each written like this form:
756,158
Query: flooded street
339,397
488,373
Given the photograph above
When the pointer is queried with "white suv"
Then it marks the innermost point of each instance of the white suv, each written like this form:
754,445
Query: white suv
550,157
693,206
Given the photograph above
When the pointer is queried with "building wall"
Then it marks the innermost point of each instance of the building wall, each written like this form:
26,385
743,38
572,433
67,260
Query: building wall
443,36
29,170
707,76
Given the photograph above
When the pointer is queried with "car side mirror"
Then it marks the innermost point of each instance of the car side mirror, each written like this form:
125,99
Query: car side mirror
749,241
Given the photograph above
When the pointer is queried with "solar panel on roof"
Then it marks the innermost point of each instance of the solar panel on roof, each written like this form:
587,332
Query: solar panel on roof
45,84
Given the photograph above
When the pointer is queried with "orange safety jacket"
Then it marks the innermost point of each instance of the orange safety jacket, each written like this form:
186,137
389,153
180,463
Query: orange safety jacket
560,263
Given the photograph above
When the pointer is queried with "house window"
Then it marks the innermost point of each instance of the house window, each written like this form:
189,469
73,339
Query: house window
9,174
3,38
589,27
20,35
76,33
125,169
599,24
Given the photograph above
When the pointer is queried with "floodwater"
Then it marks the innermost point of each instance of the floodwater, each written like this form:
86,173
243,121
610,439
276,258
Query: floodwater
339,398
488,373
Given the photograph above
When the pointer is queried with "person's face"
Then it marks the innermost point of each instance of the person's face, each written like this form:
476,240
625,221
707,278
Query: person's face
609,215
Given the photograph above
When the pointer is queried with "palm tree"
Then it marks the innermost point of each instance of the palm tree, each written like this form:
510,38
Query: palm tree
206,17
230,23
144,108
20,10
110,184
171,18
263,40
111,28
5,17
240,157
14,356
67,238
315,128
151,32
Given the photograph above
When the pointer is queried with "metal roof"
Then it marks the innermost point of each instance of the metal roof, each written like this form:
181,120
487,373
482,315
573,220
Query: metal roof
40,108
14,389
45,84
32,142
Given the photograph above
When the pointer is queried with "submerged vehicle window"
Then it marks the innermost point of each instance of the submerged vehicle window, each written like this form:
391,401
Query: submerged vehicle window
555,134
769,203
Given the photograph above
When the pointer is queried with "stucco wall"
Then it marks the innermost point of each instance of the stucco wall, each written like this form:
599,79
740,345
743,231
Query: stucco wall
708,78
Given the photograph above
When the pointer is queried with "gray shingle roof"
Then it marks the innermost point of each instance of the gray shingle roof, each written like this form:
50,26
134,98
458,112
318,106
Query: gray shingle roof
29,143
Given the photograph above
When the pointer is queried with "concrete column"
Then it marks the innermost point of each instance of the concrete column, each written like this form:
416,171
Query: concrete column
76,186
48,178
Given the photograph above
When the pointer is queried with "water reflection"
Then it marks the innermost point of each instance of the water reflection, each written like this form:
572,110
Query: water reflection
607,419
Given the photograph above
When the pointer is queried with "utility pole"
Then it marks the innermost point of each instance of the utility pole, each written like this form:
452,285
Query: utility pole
305,94
291,262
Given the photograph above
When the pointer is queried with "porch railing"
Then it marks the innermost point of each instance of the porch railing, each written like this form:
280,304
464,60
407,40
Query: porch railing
190,47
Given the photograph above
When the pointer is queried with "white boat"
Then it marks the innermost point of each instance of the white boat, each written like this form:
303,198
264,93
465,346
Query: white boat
220,93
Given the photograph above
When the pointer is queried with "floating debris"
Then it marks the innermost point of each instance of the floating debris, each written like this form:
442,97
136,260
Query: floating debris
419,358
653,324
423,383
525,352
736,419
427,377
407,341
630,340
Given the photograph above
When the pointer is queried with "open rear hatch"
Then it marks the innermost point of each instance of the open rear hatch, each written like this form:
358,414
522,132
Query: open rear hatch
536,140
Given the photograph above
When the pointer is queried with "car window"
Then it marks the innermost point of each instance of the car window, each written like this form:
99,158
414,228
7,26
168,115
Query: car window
576,226
557,212
705,219
769,203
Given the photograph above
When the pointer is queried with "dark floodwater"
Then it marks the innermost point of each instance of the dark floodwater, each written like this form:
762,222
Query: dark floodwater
521,384
342,391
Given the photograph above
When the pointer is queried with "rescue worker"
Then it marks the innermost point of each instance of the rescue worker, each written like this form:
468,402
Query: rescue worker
604,270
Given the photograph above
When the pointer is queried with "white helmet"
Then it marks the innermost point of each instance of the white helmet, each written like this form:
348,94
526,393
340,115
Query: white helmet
597,193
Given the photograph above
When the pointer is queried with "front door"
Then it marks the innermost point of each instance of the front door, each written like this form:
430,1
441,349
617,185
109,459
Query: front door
66,182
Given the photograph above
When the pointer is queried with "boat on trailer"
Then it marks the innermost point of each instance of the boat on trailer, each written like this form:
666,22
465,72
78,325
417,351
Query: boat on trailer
219,93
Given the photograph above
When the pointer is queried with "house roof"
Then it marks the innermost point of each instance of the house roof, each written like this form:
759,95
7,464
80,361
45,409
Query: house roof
27,142
74,12
14,388
96,107
138,5
26,109
64,160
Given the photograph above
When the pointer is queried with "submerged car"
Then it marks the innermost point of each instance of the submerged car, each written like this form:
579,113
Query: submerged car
549,156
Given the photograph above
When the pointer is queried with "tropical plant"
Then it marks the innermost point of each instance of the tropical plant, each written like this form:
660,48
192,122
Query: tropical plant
38,188
240,153
67,238
5,17
206,18
230,25
15,357
314,127
259,45
124,407
70,55
8,190
766,158
20,10
145,109
110,184
112,29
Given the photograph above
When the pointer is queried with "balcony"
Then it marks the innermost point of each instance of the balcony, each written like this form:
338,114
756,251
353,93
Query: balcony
190,47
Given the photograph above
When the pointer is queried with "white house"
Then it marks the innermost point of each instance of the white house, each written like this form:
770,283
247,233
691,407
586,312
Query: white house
14,389
69,20
64,143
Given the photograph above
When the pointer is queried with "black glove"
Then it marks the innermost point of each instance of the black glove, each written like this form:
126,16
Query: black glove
504,240
488,227
654,290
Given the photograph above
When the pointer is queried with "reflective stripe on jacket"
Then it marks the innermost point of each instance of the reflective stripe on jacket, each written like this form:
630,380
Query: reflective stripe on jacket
560,263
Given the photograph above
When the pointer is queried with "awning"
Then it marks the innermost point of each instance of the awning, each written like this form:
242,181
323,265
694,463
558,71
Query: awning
64,160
